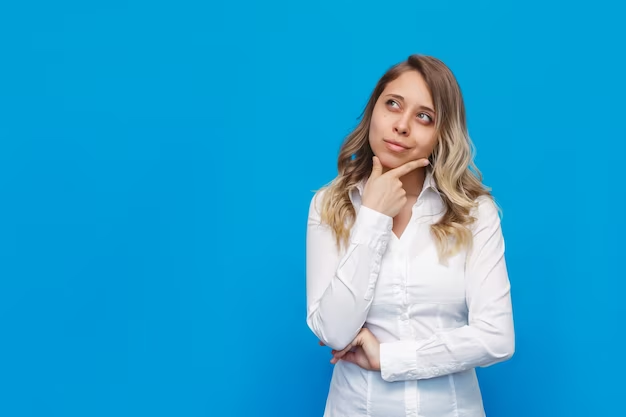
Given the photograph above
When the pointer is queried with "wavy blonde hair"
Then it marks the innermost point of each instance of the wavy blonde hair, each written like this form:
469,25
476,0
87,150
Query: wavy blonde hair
458,179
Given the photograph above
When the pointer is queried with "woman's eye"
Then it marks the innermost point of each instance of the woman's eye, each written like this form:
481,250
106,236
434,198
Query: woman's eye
392,103
425,117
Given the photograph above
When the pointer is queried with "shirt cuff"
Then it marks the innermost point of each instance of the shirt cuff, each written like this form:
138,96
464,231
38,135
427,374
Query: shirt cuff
398,360
372,228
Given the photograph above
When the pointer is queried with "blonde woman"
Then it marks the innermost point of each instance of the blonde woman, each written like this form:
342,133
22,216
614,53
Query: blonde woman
406,275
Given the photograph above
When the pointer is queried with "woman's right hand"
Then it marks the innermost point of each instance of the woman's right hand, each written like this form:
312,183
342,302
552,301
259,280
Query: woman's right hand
384,192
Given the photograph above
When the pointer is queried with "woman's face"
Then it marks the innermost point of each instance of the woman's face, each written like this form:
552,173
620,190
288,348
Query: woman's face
403,121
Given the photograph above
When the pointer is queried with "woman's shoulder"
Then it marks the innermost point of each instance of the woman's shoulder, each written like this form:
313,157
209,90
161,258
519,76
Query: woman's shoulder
316,202
319,195
485,210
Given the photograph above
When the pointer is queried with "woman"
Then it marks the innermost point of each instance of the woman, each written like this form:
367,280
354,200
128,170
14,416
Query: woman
406,275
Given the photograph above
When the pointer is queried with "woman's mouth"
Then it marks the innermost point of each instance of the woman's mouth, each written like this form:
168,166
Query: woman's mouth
394,146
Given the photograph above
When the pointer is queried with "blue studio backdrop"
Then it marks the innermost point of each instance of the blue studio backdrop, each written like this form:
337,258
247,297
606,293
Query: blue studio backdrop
157,160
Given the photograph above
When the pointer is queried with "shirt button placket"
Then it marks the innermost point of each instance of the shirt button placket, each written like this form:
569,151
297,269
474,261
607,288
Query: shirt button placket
405,326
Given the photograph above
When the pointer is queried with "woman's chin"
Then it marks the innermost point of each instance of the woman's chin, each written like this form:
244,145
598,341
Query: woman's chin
391,161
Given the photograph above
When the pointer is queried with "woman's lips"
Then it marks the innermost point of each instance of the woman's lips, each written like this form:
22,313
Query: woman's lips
394,146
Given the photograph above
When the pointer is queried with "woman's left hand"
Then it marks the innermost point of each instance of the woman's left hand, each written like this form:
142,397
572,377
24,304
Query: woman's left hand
363,351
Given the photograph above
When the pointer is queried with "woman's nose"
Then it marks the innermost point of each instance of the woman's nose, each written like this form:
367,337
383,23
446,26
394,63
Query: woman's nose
401,129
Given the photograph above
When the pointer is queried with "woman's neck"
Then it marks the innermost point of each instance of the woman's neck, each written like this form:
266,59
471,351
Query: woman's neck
413,182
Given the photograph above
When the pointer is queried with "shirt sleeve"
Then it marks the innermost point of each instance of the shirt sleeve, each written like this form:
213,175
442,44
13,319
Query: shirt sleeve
340,286
489,336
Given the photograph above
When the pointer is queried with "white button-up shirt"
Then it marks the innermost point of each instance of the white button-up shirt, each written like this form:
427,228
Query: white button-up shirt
436,322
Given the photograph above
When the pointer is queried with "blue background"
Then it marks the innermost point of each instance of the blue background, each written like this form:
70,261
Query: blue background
157,161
